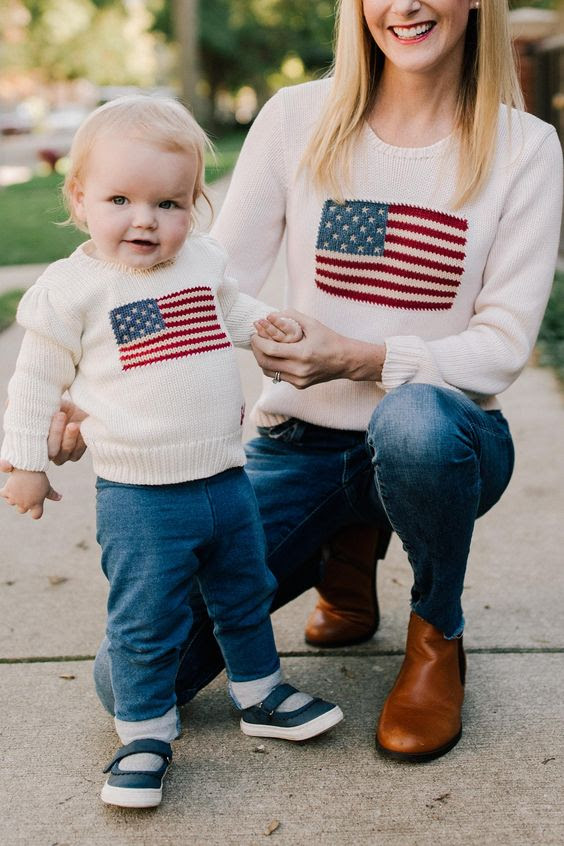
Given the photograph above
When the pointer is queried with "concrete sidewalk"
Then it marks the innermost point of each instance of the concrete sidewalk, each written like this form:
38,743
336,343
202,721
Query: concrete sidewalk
503,784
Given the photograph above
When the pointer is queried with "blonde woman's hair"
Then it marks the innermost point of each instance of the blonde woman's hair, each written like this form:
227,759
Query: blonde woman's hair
161,121
489,78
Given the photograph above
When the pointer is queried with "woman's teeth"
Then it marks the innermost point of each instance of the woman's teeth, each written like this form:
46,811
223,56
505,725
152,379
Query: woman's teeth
411,32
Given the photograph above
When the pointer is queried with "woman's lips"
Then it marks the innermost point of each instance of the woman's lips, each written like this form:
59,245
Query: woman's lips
413,33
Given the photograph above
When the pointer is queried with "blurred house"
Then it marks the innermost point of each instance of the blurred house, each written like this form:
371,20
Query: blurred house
539,41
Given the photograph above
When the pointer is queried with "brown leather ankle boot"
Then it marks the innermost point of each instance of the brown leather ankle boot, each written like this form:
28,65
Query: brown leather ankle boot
347,609
421,719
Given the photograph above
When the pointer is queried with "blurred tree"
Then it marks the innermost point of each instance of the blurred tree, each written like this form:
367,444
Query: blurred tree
105,41
247,42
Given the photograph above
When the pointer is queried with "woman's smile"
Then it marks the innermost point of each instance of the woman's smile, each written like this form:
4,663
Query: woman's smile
414,32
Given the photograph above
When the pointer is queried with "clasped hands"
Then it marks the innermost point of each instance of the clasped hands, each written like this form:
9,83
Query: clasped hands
27,490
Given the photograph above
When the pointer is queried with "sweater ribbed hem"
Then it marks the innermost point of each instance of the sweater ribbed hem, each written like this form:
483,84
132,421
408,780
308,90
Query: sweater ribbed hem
168,464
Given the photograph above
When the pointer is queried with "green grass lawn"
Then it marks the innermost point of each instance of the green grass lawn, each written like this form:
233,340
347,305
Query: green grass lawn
8,305
30,212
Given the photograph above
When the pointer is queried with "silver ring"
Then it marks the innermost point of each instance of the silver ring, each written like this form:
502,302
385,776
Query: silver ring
276,378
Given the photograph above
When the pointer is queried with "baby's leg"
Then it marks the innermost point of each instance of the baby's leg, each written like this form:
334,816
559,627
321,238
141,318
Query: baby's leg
149,559
238,588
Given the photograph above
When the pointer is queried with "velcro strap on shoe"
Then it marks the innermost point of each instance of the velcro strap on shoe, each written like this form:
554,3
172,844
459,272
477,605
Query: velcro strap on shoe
279,695
145,744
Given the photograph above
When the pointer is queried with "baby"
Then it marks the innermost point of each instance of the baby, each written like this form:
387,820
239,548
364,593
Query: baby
140,324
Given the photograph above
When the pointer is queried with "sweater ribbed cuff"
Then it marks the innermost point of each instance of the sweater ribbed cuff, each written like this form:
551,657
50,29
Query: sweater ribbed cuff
408,359
25,451
403,358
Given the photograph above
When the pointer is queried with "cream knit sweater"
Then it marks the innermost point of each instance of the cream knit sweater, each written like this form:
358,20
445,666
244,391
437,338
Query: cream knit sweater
147,354
457,296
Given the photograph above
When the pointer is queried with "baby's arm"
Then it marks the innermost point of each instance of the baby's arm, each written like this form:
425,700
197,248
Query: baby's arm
28,490
279,328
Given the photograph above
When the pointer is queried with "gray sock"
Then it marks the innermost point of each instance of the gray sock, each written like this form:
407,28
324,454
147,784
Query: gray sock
160,728
245,694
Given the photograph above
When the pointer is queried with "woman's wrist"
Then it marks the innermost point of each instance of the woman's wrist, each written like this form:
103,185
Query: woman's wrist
364,361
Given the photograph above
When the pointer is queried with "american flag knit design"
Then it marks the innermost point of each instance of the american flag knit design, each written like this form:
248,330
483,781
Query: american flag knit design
176,325
393,255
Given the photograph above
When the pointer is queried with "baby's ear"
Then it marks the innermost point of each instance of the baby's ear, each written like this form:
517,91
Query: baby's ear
76,198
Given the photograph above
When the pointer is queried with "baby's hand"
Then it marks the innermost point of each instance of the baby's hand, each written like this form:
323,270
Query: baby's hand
279,328
28,490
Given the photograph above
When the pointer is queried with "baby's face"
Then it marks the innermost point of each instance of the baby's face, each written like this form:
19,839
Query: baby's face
136,200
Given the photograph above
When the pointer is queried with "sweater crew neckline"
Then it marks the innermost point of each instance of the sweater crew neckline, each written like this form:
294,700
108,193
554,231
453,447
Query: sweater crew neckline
429,152
82,254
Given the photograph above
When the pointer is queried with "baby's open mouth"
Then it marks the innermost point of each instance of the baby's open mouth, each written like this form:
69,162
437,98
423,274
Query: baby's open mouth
142,243
409,33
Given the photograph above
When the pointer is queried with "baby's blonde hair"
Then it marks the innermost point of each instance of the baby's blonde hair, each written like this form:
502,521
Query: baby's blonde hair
161,121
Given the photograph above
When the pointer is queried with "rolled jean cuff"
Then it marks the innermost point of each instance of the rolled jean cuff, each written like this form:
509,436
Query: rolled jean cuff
167,727
248,693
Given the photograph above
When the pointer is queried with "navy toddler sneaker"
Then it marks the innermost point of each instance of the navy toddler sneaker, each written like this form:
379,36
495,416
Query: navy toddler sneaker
313,718
136,788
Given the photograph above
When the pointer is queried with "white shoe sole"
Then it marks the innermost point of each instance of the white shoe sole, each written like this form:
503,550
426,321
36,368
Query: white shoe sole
311,729
130,797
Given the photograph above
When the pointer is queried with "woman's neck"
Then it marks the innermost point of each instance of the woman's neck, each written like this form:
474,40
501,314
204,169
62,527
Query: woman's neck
412,110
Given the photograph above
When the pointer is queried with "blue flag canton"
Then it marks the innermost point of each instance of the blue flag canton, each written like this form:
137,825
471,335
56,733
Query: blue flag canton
134,321
355,227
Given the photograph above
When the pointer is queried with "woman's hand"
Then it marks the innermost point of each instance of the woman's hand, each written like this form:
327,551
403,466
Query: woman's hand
64,442
321,356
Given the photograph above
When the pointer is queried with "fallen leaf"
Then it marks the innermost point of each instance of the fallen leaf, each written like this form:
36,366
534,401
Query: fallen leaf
67,676
57,580
346,672
271,827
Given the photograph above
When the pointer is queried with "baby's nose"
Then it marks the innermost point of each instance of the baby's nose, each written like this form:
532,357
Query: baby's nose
144,216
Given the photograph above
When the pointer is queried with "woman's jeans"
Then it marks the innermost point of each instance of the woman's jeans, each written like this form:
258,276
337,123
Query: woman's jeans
157,542
430,463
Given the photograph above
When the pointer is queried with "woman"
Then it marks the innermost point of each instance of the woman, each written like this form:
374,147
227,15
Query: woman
422,220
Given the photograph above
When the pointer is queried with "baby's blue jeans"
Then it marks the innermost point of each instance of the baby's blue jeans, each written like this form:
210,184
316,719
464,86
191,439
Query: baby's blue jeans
430,463
159,544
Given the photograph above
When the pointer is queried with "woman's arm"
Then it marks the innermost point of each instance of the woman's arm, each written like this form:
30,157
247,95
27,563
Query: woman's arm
251,223
488,356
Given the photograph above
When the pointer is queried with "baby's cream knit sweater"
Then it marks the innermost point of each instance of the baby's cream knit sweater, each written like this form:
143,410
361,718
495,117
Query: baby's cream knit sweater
147,354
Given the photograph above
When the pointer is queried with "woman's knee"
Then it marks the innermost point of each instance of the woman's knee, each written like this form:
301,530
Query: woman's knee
418,422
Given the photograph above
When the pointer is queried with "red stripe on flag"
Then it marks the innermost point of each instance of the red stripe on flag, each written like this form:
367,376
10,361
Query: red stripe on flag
384,283
433,265
184,291
167,336
429,214
171,313
203,318
426,230
381,300
150,349
193,351
386,268
423,245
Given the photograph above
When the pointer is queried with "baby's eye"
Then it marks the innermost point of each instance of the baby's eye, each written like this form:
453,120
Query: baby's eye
119,201
167,204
